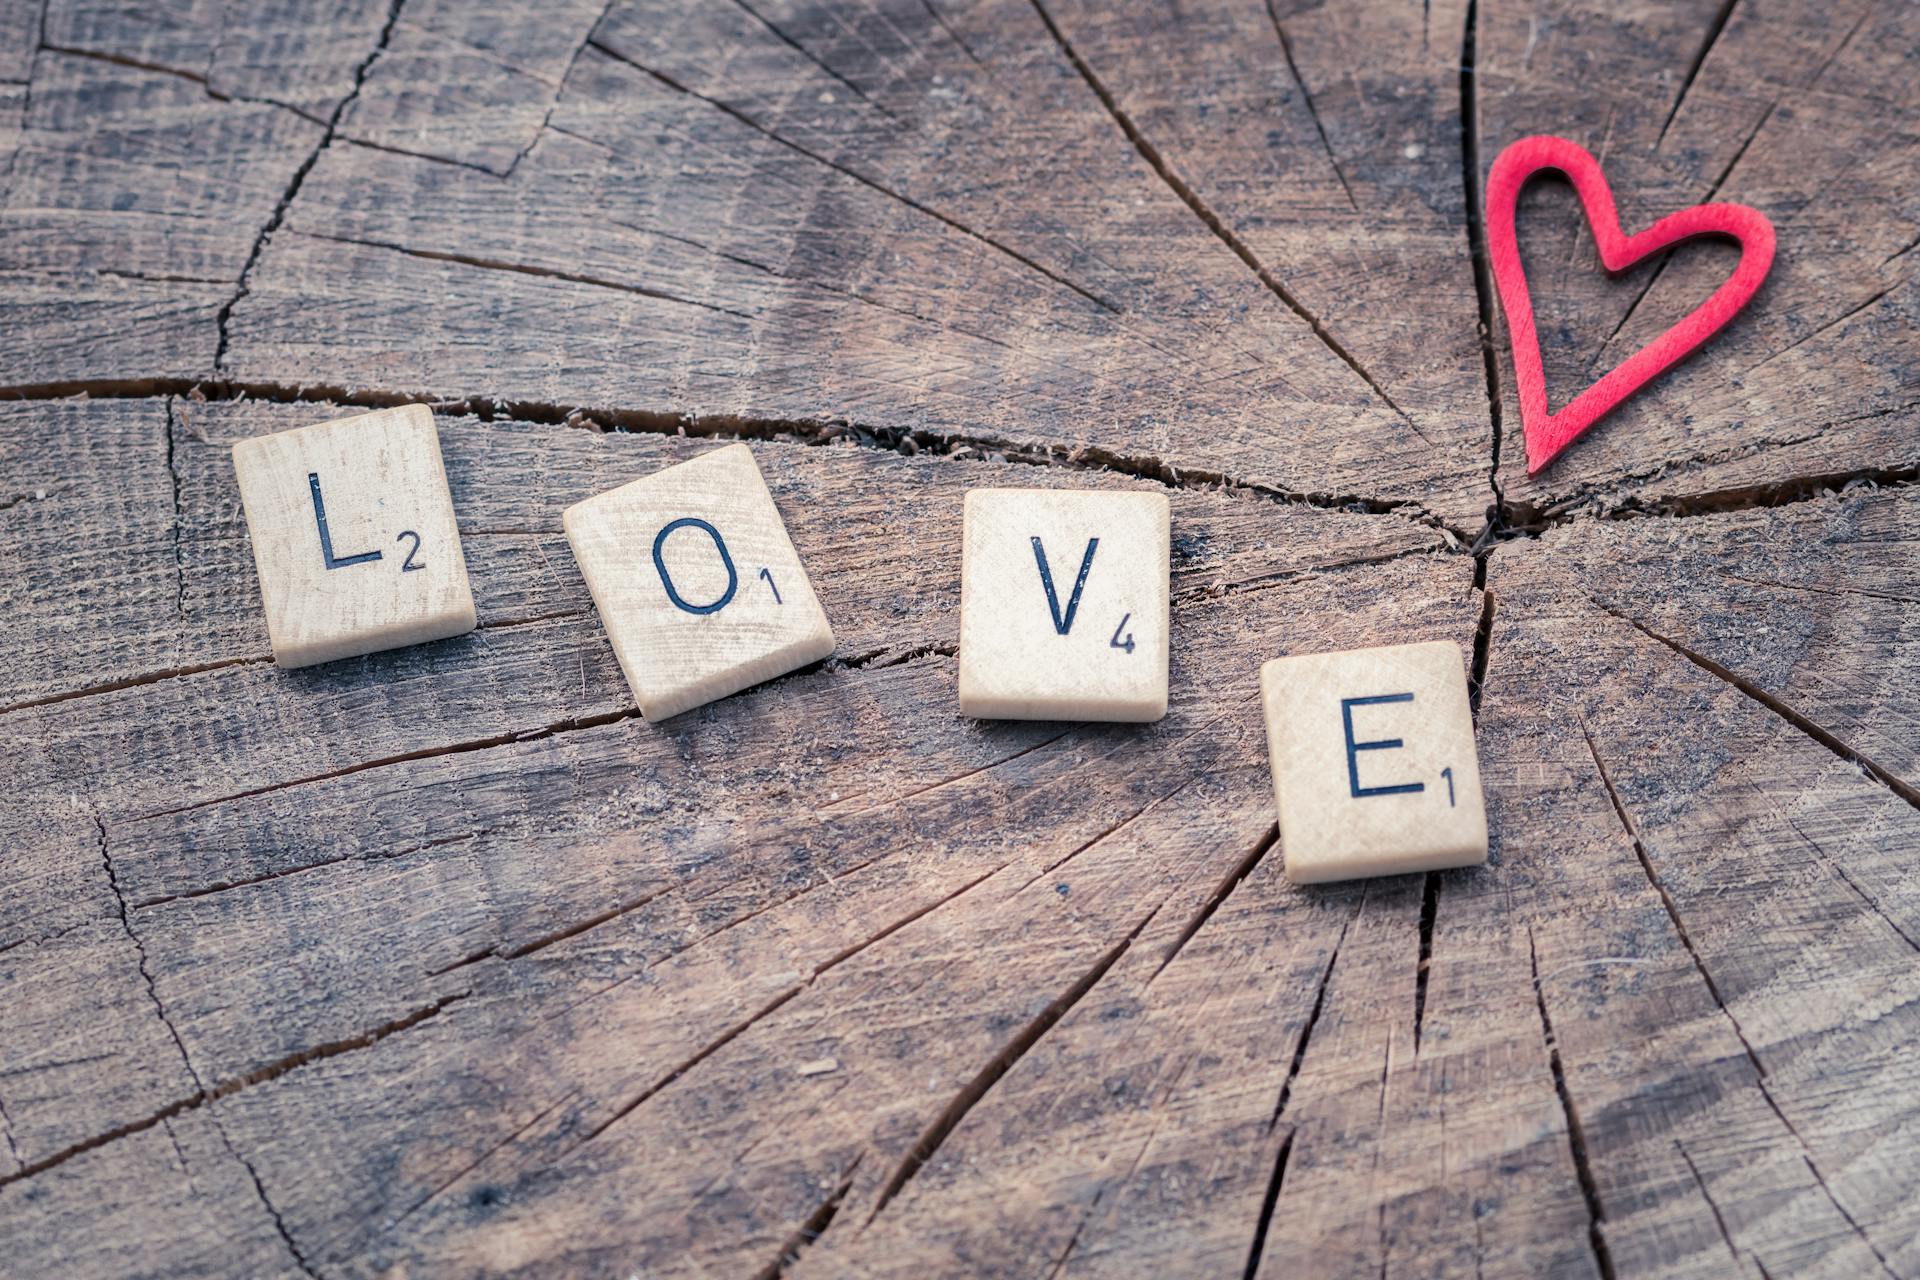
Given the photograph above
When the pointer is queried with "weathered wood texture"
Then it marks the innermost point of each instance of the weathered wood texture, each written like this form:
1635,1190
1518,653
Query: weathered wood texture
442,962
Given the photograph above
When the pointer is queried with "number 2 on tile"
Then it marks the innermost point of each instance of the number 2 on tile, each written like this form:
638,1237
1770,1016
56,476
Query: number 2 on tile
1447,773
768,575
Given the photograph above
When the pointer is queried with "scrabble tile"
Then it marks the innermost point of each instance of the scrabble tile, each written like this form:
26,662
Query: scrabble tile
697,583
1063,605
1373,762
354,536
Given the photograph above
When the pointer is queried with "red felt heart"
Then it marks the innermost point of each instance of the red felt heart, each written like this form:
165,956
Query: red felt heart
1548,433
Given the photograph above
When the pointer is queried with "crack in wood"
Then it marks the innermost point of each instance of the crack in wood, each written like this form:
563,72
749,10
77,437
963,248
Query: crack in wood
1278,1176
570,725
1100,1192
701,1055
1686,940
1430,889
895,801
608,916
148,278
1476,229
1228,883
861,178
1122,825
139,947
1666,900
1885,777
1842,318
940,18
1528,520
196,77
810,56
1268,1202
1806,1156
388,148
6,1130
813,1228
706,1051
179,562
224,318
1835,866
519,268
252,660
1213,222
135,682
811,432
1429,912
546,120
1313,1015
260,1190
1659,269
57,1064
40,940
202,1097
1863,593
1576,1137
1739,153
246,882
1482,645
996,1067
102,1139
1060,1262
480,1159
1714,29
1719,1219
1266,582
1306,98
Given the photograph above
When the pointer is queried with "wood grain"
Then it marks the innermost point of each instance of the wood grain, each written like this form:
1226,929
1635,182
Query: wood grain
443,962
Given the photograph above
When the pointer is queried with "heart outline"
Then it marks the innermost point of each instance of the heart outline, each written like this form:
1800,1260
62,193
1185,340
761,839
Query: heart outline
1548,433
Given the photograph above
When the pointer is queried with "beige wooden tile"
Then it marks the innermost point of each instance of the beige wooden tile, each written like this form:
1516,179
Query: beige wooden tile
697,583
354,536
1373,762
1063,605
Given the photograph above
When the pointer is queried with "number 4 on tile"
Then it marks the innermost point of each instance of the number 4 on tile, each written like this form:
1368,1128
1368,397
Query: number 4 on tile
1043,575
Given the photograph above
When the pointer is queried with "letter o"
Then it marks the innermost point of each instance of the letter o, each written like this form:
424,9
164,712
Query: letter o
666,579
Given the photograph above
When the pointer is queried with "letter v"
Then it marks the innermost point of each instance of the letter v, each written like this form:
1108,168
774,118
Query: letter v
1062,625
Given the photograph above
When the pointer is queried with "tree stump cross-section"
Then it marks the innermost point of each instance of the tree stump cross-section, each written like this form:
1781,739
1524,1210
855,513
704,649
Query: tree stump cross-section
442,962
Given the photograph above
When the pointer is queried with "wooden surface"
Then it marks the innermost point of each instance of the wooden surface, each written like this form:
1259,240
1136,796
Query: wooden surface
443,962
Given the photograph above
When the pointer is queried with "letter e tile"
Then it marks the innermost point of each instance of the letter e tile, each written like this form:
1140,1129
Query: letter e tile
1374,766
1063,605
354,536
697,582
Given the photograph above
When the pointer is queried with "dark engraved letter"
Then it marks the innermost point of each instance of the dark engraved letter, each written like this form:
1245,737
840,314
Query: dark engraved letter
666,579
326,539
1063,625
1379,744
